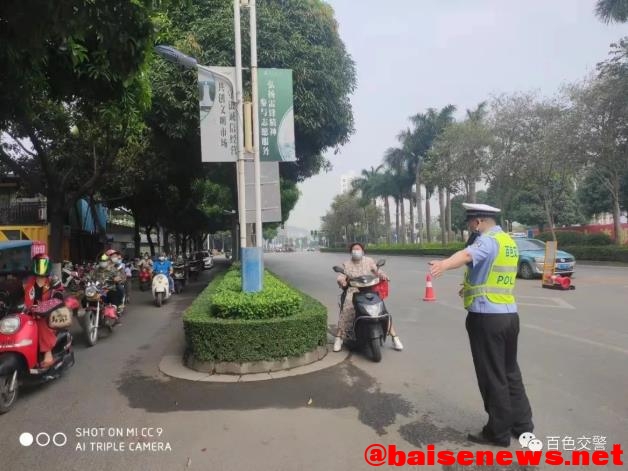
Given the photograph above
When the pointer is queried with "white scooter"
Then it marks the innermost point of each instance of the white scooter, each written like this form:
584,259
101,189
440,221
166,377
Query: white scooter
161,289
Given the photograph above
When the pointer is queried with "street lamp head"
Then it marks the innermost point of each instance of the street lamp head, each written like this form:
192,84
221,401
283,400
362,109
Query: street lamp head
174,55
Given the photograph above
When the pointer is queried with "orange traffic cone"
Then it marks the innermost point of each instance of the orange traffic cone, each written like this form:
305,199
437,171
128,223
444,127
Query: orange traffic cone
429,289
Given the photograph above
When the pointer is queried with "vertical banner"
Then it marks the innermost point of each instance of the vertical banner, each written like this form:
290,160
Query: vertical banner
276,115
218,115
550,262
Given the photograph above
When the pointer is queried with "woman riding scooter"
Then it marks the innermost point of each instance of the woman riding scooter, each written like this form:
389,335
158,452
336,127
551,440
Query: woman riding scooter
38,288
357,266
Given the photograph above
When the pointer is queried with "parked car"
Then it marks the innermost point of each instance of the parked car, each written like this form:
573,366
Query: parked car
206,257
532,259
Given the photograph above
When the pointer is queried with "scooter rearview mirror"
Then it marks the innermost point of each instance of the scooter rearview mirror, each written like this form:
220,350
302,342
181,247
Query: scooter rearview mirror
338,269
381,262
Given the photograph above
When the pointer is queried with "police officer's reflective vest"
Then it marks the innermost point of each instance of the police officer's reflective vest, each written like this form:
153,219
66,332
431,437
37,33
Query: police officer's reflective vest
500,283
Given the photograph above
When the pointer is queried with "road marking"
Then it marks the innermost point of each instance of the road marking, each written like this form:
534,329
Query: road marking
577,339
554,302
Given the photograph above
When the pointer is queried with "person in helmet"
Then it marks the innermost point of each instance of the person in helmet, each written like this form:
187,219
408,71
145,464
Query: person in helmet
118,265
164,266
106,273
146,262
40,287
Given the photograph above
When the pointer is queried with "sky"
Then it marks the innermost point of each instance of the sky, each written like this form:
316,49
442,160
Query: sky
411,55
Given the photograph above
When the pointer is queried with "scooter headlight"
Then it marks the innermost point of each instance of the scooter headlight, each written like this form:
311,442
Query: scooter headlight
91,292
9,325
373,310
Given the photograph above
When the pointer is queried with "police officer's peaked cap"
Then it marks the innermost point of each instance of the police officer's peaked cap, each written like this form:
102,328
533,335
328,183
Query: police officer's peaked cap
480,210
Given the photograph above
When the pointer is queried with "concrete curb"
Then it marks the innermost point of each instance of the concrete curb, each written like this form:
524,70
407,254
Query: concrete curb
173,366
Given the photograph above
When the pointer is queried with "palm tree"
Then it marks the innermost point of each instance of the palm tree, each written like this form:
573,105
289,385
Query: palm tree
417,143
370,187
612,10
395,159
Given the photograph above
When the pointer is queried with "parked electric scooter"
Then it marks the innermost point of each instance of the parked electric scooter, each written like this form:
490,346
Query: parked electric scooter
161,289
372,319
20,358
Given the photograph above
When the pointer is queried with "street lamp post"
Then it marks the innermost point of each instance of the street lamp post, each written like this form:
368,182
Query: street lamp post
252,258
174,55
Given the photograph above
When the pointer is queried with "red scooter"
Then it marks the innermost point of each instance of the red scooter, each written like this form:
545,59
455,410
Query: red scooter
20,358
145,279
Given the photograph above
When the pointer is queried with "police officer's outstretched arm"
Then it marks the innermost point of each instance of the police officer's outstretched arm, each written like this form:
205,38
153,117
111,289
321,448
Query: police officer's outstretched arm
457,260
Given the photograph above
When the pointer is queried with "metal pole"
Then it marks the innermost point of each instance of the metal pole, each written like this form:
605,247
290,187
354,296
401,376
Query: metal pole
240,109
256,162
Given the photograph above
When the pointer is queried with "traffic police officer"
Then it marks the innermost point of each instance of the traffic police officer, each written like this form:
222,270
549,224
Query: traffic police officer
492,324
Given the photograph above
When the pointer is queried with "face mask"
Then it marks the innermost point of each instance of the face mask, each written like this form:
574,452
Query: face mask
103,264
162,259
357,255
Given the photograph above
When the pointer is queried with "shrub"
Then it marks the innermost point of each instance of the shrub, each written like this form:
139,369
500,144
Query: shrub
608,253
276,299
598,239
407,249
572,238
211,338
564,238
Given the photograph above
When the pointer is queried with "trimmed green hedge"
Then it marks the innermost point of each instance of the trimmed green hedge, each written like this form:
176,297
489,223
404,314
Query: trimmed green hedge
601,253
573,238
406,249
608,253
276,300
211,338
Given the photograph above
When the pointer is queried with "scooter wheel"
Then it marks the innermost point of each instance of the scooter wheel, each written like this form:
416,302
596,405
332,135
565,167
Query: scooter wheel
89,323
376,351
7,398
159,298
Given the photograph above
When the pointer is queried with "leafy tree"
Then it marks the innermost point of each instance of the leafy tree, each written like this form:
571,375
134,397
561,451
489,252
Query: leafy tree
417,142
348,221
396,160
74,63
601,108
612,10
301,35
593,196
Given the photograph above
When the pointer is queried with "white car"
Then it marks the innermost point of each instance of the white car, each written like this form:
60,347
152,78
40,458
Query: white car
208,260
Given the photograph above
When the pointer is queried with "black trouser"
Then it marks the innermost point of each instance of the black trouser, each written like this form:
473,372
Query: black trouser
493,339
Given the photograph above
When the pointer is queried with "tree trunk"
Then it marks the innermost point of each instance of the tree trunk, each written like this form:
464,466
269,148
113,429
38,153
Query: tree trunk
56,219
411,201
396,220
167,241
443,215
619,240
137,240
471,196
419,204
450,234
159,246
428,217
149,239
387,218
403,220
550,218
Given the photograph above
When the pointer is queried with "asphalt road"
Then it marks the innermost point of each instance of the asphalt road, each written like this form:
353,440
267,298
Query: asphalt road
573,355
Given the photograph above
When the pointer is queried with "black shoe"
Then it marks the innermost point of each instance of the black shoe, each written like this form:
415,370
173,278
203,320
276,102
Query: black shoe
483,439
516,434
